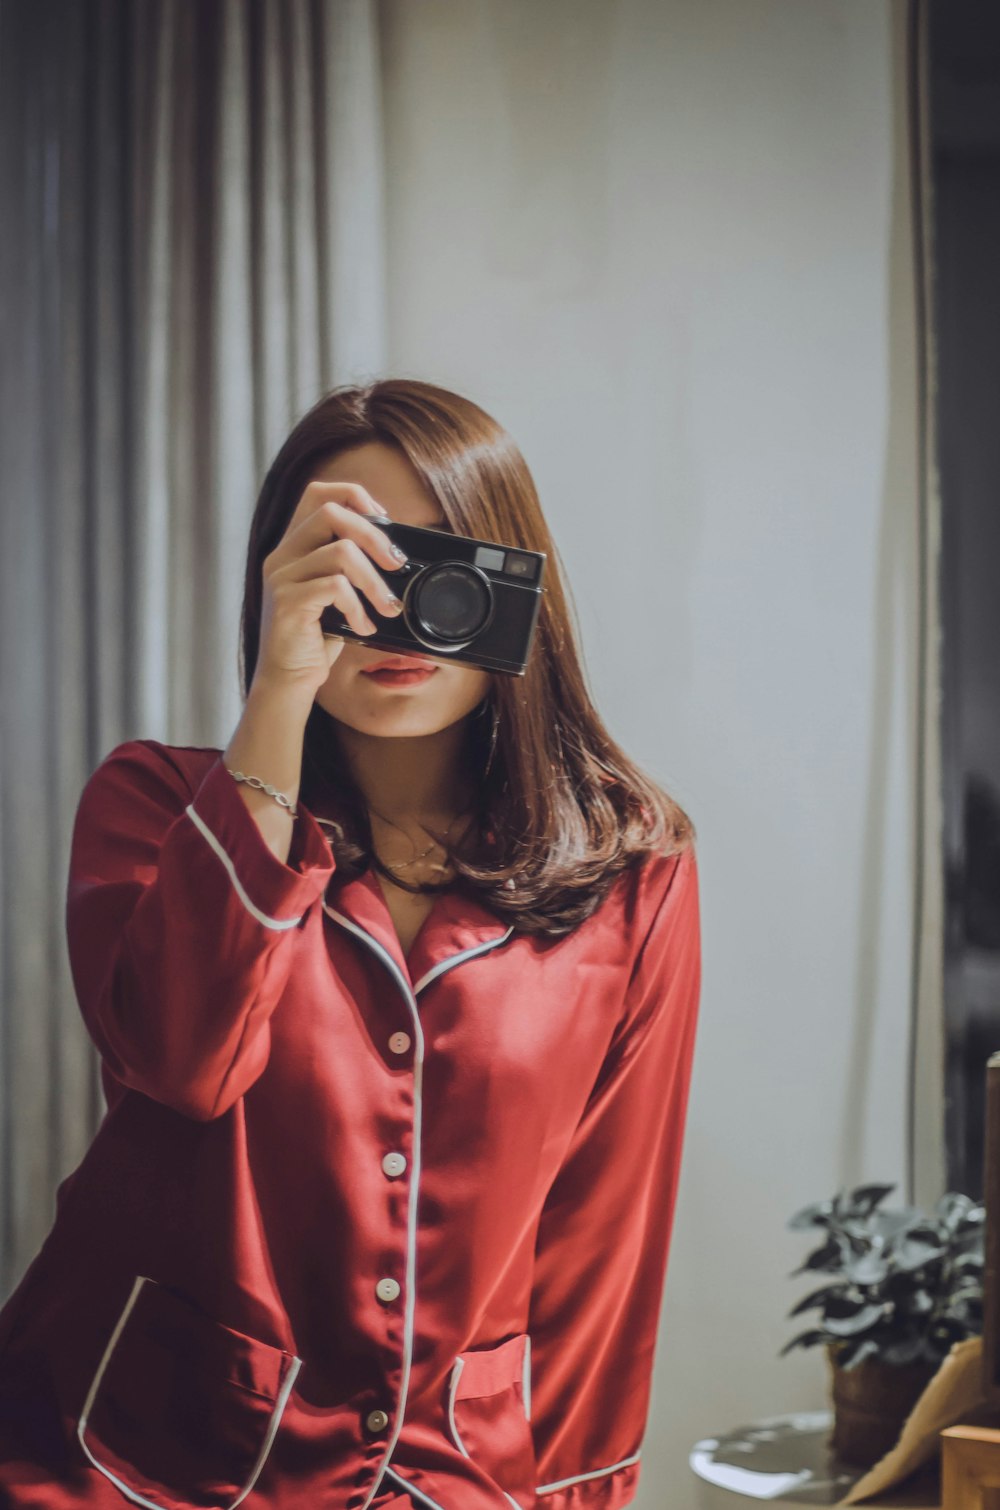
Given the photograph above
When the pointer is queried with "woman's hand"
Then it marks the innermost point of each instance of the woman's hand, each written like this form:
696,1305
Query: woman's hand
324,557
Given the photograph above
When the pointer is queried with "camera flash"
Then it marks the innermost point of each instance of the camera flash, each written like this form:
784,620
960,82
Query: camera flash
488,558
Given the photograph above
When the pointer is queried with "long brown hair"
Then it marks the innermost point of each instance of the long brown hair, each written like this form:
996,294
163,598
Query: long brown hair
563,810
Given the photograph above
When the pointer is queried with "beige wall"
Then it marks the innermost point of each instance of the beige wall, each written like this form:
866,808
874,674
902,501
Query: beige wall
666,243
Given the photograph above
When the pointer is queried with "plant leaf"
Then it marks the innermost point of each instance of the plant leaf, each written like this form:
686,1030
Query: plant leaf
915,1251
816,1215
866,1197
965,1261
857,1352
862,1321
869,1269
915,1303
803,1339
952,1208
962,1293
819,1297
827,1257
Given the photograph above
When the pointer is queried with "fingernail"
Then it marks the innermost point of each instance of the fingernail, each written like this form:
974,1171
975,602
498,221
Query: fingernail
395,551
394,602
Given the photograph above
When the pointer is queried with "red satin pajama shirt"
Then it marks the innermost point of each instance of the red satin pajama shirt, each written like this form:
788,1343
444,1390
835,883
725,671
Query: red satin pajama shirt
356,1229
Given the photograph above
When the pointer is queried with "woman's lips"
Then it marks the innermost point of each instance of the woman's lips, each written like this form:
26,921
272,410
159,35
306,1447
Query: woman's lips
403,678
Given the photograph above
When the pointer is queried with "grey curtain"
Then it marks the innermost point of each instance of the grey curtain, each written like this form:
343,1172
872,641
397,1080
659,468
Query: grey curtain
192,251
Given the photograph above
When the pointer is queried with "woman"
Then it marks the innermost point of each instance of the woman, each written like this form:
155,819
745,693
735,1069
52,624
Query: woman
395,998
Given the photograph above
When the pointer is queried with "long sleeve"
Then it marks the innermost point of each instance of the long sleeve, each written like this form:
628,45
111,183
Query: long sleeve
604,1235
182,926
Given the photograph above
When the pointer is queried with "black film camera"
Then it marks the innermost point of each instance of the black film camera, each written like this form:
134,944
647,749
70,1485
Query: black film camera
468,600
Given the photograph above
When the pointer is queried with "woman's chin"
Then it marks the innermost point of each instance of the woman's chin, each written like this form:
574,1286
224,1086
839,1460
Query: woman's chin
390,723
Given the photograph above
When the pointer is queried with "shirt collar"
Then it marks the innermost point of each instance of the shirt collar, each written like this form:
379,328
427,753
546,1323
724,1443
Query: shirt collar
455,923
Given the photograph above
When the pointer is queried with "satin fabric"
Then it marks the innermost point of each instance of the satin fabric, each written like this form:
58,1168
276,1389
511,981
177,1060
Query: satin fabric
356,1227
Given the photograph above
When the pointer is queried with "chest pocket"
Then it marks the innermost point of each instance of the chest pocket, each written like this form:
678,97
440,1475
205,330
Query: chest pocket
182,1410
489,1414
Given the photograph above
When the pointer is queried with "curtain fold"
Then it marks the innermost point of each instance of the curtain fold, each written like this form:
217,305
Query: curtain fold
192,251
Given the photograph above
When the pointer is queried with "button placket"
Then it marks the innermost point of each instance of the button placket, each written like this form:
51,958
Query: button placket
393,1164
400,1043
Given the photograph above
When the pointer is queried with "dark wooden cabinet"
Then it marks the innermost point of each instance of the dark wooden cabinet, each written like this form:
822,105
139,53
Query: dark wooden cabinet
964,109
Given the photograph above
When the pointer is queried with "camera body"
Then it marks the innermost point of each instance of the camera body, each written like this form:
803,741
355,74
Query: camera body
472,601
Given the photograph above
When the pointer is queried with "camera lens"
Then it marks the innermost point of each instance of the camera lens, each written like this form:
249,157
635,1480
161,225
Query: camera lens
452,602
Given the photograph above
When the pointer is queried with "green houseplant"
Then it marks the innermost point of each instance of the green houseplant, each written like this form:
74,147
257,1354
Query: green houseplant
906,1286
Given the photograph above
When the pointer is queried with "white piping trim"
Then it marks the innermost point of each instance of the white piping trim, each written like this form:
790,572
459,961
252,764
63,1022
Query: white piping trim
456,1374
410,1295
579,1478
446,964
133,1494
526,1376
420,1495
412,1489
262,917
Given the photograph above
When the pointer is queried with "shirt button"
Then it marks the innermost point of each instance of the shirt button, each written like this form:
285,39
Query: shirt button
399,1043
376,1420
393,1164
387,1289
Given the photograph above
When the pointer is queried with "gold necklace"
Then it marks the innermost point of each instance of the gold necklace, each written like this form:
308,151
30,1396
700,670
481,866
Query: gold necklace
402,864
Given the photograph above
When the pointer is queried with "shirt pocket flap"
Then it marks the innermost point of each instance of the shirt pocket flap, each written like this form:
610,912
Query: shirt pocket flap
183,1409
489,1411
163,1317
486,1371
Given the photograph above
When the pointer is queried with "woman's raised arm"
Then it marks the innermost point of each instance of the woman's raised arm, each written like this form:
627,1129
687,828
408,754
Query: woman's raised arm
182,925
183,913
